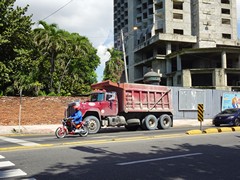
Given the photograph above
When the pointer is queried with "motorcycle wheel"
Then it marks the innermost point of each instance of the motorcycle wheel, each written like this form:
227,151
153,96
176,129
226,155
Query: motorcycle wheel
60,132
85,131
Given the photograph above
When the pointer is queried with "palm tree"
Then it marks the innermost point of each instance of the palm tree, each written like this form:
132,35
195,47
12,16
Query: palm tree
51,42
114,67
77,47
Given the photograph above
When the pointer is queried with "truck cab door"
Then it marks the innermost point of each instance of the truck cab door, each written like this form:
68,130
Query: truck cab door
110,105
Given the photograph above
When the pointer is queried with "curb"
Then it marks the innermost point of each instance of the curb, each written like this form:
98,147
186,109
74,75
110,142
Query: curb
236,128
214,130
193,132
211,130
225,129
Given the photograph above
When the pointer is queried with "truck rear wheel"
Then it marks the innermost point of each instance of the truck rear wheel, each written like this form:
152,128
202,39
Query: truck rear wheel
93,124
164,122
150,122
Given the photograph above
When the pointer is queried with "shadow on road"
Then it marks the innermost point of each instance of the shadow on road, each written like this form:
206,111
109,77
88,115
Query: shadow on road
205,166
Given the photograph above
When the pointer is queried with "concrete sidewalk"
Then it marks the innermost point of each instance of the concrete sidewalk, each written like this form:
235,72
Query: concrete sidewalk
50,129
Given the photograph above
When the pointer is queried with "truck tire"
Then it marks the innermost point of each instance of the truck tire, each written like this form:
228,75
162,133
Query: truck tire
93,124
150,122
164,122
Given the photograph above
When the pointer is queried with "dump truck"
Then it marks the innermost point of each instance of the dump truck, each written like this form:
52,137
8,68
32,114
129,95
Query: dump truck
127,104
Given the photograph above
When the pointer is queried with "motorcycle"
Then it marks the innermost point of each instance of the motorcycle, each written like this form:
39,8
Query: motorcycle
66,128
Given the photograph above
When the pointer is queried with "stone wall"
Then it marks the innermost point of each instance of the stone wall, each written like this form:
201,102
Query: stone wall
34,110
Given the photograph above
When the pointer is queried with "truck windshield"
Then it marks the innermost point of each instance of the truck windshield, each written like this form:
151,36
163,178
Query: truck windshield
95,97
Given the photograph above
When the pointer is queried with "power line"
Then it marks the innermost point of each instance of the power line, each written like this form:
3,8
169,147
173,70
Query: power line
57,10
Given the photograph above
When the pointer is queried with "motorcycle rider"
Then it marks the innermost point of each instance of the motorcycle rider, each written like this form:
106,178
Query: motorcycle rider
76,117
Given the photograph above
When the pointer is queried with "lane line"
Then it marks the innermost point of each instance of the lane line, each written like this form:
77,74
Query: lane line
19,141
2,157
157,159
6,164
12,173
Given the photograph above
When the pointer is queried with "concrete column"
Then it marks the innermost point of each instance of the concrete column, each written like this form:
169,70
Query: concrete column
224,60
168,48
179,63
169,81
219,79
168,66
186,78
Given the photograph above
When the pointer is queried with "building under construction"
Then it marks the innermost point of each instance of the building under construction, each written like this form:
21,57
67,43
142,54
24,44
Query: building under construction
192,43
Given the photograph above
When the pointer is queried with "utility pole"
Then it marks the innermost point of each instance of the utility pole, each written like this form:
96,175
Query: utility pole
124,57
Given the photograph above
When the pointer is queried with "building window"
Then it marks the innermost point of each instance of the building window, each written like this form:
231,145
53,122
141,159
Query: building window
139,10
226,36
145,15
139,19
150,11
144,6
178,31
225,11
177,5
177,16
150,2
225,1
159,5
226,21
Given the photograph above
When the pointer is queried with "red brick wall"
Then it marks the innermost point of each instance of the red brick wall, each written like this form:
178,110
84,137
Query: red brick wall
35,110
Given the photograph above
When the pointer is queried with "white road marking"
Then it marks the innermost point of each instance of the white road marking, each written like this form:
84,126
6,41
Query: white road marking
19,141
12,173
6,164
158,159
2,157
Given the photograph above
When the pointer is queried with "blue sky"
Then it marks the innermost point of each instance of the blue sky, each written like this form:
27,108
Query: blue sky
90,18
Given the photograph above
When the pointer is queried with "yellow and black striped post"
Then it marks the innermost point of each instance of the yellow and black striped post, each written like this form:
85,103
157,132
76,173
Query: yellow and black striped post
200,114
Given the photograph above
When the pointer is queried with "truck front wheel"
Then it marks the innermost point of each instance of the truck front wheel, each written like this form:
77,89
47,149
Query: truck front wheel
164,122
93,124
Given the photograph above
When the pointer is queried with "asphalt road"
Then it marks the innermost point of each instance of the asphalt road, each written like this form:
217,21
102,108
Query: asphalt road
120,155
16,141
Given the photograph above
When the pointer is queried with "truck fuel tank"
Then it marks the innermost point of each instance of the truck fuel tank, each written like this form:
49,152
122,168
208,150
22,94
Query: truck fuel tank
116,121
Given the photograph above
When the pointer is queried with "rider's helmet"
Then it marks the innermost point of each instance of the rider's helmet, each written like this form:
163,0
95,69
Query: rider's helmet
75,105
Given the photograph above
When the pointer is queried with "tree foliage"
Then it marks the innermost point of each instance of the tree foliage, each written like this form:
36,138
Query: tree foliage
114,67
15,47
46,60
68,60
